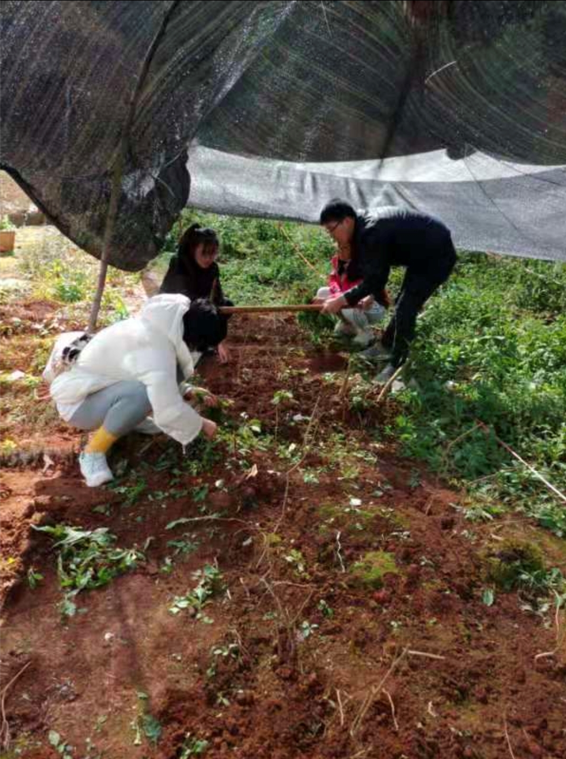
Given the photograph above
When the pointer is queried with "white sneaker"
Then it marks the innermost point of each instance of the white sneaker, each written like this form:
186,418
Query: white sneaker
376,352
344,330
386,374
364,338
147,427
94,468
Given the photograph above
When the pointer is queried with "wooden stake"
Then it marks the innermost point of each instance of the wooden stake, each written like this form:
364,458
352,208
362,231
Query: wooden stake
120,163
270,309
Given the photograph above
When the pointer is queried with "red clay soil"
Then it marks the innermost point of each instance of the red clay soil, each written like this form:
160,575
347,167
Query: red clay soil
299,660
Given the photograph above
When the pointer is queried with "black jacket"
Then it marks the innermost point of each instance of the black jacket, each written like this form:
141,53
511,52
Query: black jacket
398,237
186,277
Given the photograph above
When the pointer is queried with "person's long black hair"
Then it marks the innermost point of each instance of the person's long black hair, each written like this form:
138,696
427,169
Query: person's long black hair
194,236
201,281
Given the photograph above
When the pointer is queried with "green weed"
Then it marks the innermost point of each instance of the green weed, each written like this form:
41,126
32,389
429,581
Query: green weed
211,583
87,559
193,746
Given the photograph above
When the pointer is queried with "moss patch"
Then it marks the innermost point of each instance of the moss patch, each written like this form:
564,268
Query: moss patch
370,571
512,559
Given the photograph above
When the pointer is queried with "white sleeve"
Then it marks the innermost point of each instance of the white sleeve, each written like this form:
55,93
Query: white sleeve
157,371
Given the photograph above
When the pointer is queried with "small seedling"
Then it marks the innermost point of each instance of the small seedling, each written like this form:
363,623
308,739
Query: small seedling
132,492
414,479
310,478
192,747
229,651
325,609
104,509
211,583
34,578
151,728
297,560
183,547
306,630
100,722
200,494
59,745
280,396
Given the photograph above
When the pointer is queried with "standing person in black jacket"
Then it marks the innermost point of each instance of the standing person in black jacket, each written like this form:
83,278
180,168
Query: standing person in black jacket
395,237
194,272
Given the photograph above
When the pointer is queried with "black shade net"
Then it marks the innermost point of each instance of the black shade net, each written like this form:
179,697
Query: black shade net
457,108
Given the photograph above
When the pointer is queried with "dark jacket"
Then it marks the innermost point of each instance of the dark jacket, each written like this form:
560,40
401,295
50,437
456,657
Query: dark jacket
188,278
398,237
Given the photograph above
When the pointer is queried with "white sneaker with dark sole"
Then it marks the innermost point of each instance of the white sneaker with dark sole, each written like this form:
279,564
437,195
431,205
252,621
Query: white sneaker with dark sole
94,468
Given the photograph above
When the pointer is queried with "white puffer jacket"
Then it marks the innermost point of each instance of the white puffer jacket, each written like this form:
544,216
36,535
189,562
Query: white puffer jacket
147,347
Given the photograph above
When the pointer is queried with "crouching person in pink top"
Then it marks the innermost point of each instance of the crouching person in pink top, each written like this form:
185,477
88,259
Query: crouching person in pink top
353,322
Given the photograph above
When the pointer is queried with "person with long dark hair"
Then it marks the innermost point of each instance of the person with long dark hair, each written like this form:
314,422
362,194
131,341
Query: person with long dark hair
193,272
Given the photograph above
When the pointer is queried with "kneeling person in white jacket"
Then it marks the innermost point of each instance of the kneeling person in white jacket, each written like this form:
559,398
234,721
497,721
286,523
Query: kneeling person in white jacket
129,371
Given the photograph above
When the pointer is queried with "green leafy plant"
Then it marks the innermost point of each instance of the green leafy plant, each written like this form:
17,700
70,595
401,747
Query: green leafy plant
306,629
211,583
282,396
325,609
183,547
132,492
193,746
297,561
151,728
59,745
6,225
87,559
227,651
34,578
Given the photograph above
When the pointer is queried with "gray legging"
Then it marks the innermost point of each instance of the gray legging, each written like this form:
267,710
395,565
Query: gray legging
119,408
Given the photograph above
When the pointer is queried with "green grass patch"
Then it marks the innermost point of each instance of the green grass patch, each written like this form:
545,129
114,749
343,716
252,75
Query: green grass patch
491,347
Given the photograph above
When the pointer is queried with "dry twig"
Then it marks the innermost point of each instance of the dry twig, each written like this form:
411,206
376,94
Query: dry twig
548,484
388,384
560,637
338,550
507,738
340,707
392,705
424,653
374,693
5,728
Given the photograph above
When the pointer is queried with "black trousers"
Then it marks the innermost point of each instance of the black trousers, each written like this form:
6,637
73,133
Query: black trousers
418,285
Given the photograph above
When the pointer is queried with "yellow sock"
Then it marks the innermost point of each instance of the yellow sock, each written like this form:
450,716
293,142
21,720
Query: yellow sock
100,441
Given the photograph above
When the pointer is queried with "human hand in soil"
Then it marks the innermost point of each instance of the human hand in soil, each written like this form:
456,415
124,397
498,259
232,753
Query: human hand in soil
333,305
223,353
209,428
199,394
366,303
